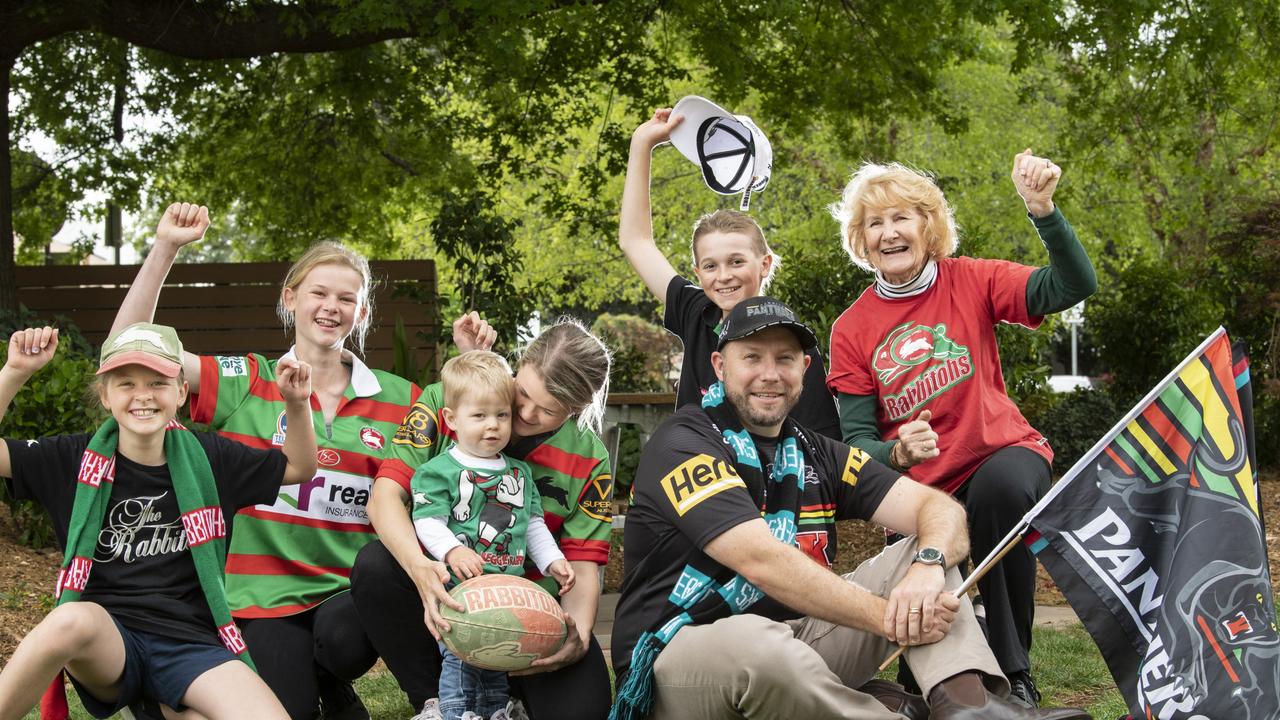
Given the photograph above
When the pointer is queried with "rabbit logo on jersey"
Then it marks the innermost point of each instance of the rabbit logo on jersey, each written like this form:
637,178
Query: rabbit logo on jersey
921,362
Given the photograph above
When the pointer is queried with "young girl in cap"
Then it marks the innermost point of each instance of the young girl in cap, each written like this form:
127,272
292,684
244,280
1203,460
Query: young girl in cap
144,510
732,262
289,567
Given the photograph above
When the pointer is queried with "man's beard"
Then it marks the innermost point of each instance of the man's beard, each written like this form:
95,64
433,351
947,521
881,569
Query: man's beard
741,402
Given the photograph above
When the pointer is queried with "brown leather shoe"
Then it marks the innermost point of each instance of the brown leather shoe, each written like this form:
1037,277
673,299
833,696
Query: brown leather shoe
894,697
944,706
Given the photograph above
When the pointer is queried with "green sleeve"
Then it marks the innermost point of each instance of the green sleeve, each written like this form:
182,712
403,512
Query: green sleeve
1069,276
858,425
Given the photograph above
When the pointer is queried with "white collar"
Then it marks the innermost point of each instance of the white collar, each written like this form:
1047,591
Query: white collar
476,462
914,286
363,381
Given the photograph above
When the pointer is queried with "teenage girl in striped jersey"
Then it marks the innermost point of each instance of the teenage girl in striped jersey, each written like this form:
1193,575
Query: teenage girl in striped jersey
288,568
561,383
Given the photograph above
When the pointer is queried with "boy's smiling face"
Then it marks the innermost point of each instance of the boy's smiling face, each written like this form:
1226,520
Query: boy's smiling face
140,399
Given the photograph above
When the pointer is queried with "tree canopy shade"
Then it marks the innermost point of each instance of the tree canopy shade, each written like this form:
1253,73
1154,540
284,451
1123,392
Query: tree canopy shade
404,99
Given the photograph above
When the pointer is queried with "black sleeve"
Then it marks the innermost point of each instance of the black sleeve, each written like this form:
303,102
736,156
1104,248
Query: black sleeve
45,471
682,311
246,476
686,478
861,481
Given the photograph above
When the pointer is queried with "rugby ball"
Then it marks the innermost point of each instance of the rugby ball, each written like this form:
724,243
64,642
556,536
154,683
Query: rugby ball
508,623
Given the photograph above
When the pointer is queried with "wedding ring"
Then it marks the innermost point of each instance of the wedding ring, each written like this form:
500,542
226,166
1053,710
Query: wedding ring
913,611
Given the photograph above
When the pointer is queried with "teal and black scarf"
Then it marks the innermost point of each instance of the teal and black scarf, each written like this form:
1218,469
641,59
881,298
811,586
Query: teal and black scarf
706,590
202,521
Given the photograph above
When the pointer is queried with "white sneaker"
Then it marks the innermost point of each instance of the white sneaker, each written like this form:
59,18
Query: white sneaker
430,711
514,711
468,715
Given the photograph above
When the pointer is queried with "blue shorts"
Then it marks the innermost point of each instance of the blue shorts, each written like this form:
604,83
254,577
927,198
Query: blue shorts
155,667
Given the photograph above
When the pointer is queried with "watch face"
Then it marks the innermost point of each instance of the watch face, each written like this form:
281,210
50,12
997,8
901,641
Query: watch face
929,555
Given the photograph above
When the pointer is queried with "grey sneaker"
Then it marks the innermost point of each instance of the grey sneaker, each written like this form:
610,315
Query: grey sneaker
430,711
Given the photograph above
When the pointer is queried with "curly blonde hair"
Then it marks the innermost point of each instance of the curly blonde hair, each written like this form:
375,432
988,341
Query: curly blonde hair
877,187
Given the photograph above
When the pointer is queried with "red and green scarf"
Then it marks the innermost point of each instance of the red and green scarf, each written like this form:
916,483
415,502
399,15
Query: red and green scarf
202,521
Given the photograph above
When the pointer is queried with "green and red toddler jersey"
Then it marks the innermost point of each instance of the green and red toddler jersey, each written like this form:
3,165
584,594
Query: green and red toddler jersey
570,467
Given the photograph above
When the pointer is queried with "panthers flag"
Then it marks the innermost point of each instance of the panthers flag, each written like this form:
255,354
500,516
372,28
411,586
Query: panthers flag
1156,539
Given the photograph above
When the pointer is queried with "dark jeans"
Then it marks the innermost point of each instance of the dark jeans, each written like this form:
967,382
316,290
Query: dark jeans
391,613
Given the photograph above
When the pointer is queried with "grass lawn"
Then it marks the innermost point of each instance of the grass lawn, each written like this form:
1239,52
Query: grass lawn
1067,667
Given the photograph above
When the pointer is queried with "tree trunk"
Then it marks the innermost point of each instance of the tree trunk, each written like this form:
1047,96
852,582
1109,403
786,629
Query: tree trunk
8,269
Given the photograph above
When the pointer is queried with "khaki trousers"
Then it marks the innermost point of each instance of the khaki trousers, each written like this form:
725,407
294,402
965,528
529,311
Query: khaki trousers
747,666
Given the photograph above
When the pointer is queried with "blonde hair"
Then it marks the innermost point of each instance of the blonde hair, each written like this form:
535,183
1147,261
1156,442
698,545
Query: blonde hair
477,373
880,186
332,253
574,365
732,221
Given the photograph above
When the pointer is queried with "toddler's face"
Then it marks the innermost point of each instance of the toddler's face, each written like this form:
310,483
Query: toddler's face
482,424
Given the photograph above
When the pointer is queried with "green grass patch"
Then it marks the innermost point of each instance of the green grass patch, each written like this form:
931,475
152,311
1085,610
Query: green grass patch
1066,664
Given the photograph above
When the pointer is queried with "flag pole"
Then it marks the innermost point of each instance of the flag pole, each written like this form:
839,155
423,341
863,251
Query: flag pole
1015,535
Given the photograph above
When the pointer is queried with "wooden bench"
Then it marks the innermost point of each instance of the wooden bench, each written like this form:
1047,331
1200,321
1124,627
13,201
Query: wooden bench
229,308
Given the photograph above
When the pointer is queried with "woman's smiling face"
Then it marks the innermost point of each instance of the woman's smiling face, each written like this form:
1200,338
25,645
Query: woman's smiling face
896,245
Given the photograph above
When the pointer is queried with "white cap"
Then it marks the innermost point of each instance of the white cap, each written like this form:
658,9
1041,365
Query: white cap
733,154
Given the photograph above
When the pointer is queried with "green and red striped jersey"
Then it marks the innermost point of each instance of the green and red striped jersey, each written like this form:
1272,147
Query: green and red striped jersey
297,552
570,466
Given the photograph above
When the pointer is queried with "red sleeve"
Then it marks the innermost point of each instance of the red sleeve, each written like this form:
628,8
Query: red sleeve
395,469
1006,284
849,372
205,402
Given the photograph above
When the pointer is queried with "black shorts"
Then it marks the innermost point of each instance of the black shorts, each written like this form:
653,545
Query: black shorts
155,667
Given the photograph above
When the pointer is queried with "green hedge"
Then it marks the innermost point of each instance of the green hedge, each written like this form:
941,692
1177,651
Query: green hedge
53,402
1075,423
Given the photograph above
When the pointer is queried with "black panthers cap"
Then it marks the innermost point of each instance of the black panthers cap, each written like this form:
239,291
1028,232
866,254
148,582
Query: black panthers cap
757,313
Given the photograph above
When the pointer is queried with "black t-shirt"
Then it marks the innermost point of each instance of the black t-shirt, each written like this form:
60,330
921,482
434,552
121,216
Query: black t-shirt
142,573
687,493
693,317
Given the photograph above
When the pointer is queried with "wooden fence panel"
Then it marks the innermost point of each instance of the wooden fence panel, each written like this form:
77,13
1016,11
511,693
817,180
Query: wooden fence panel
230,308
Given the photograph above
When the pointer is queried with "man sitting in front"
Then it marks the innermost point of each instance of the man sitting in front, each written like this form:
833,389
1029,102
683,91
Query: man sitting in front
729,608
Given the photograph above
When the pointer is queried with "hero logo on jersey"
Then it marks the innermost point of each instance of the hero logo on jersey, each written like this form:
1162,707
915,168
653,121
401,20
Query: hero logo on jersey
697,479
371,438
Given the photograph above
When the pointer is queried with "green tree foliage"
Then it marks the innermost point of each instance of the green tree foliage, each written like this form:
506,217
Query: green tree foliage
55,401
1146,319
643,353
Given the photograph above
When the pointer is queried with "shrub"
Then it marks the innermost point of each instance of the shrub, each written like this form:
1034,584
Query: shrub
51,403
1146,318
642,352
1075,423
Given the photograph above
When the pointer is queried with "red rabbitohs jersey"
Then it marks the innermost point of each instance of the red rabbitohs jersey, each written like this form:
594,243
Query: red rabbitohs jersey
937,351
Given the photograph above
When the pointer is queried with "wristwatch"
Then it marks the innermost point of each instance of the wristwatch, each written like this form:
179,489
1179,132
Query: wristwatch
930,556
